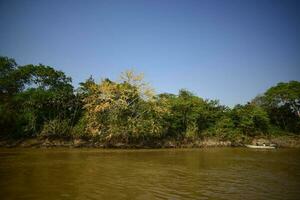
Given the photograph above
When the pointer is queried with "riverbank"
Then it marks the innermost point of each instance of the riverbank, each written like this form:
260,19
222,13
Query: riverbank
289,141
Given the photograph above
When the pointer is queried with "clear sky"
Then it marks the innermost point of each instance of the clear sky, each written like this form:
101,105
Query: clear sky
226,50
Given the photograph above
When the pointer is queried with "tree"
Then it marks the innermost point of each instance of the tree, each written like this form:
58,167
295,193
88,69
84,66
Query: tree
285,94
10,80
190,115
282,102
250,119
32,95
122,110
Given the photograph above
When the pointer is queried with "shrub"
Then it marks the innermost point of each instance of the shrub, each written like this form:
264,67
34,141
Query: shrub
224,128
79,131
56,128
250,119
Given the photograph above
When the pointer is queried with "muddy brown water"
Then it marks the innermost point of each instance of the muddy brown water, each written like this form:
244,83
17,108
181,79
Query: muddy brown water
212,173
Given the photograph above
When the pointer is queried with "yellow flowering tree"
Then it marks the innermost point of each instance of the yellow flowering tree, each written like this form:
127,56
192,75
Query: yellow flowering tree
123,110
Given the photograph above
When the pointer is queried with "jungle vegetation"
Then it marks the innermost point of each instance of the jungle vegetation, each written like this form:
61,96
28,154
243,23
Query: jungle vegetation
39,101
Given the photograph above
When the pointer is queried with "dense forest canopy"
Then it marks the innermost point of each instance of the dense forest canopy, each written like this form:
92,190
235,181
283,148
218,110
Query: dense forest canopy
39,101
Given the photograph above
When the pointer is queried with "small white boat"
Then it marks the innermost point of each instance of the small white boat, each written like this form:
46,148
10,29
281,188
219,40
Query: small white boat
259,146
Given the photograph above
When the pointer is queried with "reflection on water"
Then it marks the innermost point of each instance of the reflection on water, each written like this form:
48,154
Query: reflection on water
216,173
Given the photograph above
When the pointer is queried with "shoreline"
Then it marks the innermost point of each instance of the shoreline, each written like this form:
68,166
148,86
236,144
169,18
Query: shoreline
290,141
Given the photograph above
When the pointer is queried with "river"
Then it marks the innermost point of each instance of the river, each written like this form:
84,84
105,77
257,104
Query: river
211,173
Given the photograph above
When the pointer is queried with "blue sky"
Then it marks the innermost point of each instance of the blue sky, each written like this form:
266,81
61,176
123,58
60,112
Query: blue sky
226,50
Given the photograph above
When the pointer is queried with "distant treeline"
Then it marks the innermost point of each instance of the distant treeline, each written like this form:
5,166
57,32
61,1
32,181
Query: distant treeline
39,101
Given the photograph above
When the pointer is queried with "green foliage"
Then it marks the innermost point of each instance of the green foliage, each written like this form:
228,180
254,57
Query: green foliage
285,94
284,105
10,83
32,95
39,101
190,115
250,119
122,111
224,127
282,102
56,128
79,130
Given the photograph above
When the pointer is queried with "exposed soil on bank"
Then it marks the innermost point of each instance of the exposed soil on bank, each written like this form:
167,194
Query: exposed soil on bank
279,141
